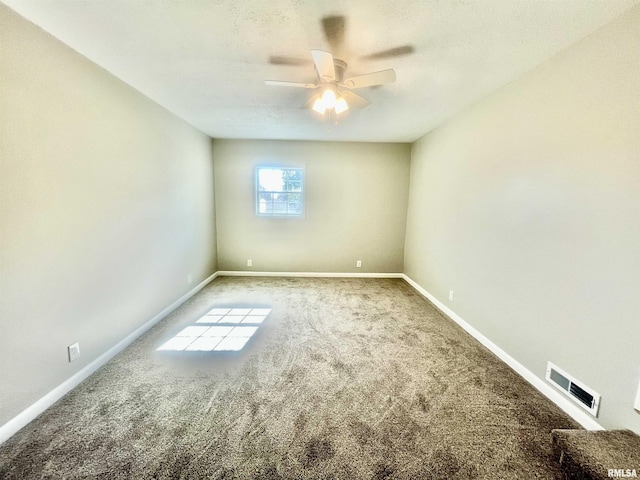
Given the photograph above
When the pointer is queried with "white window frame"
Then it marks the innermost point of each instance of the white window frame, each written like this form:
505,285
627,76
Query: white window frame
259,211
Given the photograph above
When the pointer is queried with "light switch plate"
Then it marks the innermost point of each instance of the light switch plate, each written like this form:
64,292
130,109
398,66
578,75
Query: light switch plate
636,405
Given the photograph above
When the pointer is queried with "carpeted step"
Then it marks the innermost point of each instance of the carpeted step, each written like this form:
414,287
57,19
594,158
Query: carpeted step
596,455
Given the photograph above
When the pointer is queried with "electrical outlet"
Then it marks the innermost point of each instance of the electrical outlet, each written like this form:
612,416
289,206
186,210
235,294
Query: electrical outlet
451,295
189,278
359,263
249,263
74,351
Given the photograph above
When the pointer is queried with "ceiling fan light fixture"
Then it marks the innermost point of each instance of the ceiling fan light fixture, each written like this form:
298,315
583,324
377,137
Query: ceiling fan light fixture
318,106
329,98
341,105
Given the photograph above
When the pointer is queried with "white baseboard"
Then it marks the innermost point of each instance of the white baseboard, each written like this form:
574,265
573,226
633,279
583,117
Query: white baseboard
22,419
250,273
571,409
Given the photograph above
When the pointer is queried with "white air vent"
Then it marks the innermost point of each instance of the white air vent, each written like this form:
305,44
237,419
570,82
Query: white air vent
582,395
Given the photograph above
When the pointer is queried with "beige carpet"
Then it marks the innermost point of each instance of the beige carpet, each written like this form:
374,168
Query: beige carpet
346,379
592,455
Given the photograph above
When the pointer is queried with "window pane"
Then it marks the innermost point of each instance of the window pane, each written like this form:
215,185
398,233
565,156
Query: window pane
293,186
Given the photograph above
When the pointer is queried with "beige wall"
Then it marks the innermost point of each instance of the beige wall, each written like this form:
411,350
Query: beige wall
356,201
528,206
106,205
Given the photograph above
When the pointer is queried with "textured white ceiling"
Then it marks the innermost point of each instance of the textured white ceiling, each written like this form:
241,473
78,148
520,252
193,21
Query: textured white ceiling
206,60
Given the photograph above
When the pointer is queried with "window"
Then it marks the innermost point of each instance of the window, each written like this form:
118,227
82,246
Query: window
280,191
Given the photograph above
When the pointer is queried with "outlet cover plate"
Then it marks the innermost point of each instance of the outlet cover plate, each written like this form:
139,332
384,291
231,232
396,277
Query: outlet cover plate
74,351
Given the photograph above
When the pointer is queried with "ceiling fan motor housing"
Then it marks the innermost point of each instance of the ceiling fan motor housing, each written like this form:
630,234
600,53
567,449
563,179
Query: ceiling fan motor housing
340,66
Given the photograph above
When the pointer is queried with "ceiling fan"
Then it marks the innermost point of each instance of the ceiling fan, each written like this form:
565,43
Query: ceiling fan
334,90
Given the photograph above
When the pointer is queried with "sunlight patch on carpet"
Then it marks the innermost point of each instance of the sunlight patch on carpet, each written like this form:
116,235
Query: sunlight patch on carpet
219,330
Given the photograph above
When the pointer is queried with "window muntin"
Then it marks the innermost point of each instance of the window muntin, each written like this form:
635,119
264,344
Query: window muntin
280,191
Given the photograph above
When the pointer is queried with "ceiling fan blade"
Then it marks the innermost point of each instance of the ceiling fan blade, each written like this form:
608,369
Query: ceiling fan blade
324,65
392,52
309,103
280,60
278,83
355,100
334,28
371,79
